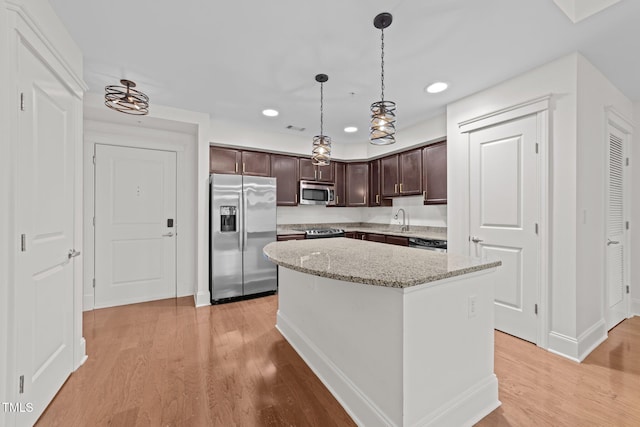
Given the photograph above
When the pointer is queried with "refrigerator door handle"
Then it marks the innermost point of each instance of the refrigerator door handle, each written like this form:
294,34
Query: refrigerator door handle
244,220
240,224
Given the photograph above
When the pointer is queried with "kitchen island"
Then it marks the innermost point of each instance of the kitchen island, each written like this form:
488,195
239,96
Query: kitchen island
400,336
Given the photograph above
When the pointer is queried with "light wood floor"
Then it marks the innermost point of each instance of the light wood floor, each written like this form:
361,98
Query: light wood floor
166,363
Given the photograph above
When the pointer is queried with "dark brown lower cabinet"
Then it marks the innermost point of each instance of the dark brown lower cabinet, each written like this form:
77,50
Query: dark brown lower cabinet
376,237
355,235
397,240
283,237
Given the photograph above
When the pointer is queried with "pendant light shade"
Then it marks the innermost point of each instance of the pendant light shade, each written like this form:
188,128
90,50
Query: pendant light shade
321,150
383,113
125,99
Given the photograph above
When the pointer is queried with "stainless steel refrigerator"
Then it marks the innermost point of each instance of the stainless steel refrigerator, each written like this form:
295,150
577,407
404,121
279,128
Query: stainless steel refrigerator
242,222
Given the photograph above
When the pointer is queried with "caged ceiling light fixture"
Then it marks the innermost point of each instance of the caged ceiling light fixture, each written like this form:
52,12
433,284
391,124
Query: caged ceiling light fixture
125,99
383,113
321,151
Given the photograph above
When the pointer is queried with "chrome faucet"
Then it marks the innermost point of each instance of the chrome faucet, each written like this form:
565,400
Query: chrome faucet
404,215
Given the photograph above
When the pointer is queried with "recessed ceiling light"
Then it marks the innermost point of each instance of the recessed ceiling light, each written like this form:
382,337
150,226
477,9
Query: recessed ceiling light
351,129
437,87
270,113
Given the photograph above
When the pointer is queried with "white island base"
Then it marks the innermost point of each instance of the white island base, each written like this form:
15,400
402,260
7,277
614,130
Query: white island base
415,356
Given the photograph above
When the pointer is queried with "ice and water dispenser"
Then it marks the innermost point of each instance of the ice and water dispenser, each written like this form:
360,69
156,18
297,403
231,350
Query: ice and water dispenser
228,215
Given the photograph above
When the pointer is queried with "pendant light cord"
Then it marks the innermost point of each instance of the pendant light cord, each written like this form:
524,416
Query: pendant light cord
382,64
321,108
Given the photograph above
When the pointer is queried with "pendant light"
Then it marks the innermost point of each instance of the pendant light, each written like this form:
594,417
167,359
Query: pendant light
321,151
383,113
125,99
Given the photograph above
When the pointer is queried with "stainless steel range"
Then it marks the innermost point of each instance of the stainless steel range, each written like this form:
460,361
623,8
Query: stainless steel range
323,233
429,244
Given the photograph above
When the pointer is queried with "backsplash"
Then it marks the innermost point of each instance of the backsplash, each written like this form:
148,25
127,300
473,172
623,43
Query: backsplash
417,214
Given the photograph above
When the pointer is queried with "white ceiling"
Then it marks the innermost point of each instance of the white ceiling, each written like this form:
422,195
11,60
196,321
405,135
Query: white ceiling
232,59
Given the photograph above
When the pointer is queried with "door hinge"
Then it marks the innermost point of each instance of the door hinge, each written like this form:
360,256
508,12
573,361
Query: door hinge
536,148
627,288
23,242
627,161
21,386
94,221
21,101
94,282
94,159
536,228
535,308
626,224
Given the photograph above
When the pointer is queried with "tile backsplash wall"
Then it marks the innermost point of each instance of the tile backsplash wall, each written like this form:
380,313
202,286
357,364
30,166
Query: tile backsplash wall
417,214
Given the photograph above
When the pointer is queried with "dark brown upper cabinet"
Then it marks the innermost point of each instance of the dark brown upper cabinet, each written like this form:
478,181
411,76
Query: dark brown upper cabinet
285,170
357,183
340,183
224,160
375,185
229,160
410,172
310,172
256,163
434,160
401,174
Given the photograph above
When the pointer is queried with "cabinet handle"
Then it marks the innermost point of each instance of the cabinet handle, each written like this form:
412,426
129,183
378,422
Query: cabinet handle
296,198
365,198
236,167
400,188
424,195
395,188
320,174
362,237
315,174
377,198
243,167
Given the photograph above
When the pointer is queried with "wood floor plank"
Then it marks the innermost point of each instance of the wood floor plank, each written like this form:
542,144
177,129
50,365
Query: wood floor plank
168,363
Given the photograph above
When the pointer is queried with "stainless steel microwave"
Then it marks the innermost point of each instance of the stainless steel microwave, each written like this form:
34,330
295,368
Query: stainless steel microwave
316,193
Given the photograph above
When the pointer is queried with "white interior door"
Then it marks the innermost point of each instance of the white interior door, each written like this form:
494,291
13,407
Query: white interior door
135,242
503,214
44,287
616,286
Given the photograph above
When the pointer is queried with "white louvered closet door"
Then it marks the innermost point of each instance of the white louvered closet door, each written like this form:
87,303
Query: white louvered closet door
615,251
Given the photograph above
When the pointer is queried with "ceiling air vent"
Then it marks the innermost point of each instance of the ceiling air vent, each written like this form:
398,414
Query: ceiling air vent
296,128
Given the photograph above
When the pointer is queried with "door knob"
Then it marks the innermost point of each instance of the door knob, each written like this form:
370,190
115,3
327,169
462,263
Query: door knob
73,253
476,240
612,242
169,234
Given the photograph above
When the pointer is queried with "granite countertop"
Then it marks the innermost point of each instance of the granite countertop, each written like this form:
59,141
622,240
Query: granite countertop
438,233
371,263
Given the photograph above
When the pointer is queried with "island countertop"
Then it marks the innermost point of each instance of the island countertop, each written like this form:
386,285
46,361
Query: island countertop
371,262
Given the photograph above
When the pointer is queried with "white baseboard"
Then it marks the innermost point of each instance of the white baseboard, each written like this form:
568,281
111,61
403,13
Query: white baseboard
202,298
87,302
353,400
635,307
81,353
468,408
577,349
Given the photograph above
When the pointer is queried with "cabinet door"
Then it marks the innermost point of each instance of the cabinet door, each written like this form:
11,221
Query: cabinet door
434,159
389,176
374,183
397,240
285,237
340,183
350,234
285,170
224,160
256,164
307,170
326,173
376,237
410,171
357,183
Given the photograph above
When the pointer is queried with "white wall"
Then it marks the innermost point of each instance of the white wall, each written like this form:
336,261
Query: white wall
635,213
185,146
577,116
595,94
